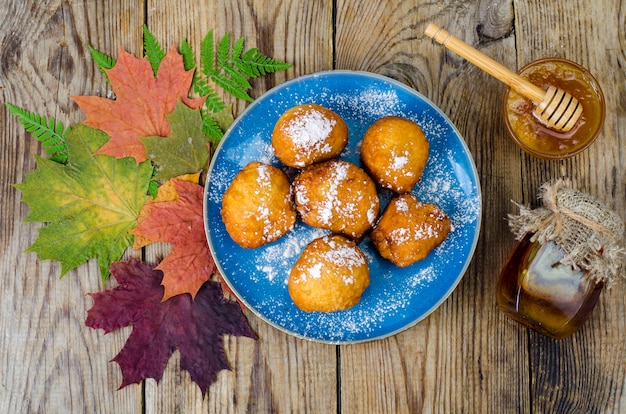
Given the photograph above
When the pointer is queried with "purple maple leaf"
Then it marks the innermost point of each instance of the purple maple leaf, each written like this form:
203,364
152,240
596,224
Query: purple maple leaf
196,327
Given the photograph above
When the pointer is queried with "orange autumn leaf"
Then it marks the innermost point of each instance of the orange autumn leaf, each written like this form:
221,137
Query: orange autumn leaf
180,222
142,102
166,192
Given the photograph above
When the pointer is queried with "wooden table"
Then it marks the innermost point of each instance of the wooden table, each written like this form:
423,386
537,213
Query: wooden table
466,357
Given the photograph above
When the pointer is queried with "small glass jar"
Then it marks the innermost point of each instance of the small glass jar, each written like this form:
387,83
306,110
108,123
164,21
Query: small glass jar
538,291
539,140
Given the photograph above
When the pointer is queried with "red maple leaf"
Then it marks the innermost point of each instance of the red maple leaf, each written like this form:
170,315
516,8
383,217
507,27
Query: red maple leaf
195,327
179,222
142,102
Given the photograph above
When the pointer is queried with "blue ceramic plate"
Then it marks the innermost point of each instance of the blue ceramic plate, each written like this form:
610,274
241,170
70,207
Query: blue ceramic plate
397,298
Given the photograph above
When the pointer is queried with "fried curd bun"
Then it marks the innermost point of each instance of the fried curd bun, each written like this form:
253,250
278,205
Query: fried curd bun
394,151
330,275
409,230
257,207
336,195
309,133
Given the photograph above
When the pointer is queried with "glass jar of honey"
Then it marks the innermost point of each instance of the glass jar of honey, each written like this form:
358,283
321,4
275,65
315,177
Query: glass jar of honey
569,249
542,293
539,140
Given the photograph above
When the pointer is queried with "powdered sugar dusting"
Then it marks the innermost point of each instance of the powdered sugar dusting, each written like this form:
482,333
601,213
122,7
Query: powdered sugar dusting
255,148
337,257
369,103
331,203
399,162
315,271
274,262
309,131
401,205
372,213
345,256
336,204
442,187
271,228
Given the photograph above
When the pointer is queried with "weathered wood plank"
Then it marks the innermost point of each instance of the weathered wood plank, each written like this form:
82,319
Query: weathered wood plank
448,362
277,373
583,373
50,361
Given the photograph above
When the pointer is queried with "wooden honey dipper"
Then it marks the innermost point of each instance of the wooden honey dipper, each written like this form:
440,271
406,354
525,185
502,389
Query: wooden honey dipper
556,108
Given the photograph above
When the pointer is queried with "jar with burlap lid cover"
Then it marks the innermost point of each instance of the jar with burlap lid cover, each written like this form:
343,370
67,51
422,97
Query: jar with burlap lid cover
569,249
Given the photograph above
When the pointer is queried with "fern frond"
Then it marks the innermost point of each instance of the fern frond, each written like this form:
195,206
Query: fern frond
223,50
211,128
189,63
213,101
189,58
202,88
48,131
231,87
152,49
237,50
237,77
153,185
207,55
103,61
153,189
224,71
255,64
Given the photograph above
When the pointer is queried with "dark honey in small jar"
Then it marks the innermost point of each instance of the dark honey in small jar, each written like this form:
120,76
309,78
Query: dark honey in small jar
569,248
542,293
530,134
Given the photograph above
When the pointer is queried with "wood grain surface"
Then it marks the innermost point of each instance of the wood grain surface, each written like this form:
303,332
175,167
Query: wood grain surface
466,357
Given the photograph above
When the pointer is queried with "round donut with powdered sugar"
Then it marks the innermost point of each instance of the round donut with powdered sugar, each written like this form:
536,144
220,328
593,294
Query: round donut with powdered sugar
307,134
395,151
336,195
257,207
330,275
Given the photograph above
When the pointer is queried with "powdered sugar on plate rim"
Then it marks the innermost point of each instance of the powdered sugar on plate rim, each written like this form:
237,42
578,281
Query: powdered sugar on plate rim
397,298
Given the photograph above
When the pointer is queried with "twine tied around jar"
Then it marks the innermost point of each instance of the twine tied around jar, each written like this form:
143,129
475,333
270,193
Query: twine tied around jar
589,233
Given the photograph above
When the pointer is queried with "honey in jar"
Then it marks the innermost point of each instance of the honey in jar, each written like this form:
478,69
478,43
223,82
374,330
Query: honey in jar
569,248
542,293
539,140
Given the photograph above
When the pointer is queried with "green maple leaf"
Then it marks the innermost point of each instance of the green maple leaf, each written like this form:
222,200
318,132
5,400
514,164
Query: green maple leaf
90,203
185,151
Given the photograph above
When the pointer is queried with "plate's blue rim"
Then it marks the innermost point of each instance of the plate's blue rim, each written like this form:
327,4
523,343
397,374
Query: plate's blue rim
400,85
